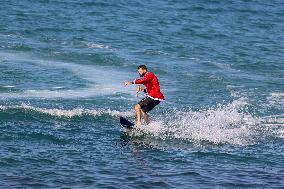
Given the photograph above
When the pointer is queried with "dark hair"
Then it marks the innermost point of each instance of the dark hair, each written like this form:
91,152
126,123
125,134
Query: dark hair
143,67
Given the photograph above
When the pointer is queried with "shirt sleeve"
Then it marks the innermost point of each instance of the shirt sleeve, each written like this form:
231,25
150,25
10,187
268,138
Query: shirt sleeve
144,80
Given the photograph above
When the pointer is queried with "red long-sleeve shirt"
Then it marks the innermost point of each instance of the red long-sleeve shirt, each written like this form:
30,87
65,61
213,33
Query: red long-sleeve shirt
151,82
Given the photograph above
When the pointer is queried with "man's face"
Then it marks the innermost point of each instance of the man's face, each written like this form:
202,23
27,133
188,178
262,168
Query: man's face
142,72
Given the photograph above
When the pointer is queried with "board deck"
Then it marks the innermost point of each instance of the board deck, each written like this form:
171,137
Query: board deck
126,124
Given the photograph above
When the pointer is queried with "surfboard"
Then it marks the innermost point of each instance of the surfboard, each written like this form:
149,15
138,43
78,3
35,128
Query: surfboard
125,123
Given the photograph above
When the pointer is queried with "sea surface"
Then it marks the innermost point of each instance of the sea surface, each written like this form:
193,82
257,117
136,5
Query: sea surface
220,65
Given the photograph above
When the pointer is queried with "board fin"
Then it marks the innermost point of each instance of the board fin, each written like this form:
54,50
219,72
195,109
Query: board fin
125,123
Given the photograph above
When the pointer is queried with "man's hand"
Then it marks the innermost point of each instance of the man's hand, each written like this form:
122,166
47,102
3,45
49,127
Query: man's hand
127,83
139,89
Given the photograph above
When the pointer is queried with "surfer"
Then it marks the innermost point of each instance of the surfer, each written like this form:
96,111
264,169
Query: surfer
152,92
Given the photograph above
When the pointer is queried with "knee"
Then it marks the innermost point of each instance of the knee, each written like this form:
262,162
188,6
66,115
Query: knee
137,107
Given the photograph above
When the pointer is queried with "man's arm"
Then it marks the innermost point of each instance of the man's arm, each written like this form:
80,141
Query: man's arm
144,80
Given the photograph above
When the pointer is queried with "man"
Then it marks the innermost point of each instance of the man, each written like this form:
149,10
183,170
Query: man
153,94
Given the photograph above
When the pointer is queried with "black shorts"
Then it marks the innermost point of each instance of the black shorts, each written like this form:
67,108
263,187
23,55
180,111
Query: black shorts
147,104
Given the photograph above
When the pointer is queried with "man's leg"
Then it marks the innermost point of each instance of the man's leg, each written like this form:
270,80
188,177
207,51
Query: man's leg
138,114
146,117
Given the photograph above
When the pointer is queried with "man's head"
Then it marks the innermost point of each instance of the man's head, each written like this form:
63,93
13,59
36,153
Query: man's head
142,70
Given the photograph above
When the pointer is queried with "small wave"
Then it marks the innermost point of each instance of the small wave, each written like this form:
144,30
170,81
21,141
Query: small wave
68,113
223,124
276,100
276,97
58,87
97,46
154,52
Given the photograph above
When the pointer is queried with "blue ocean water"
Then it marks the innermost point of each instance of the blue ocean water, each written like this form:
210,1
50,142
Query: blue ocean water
62,68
